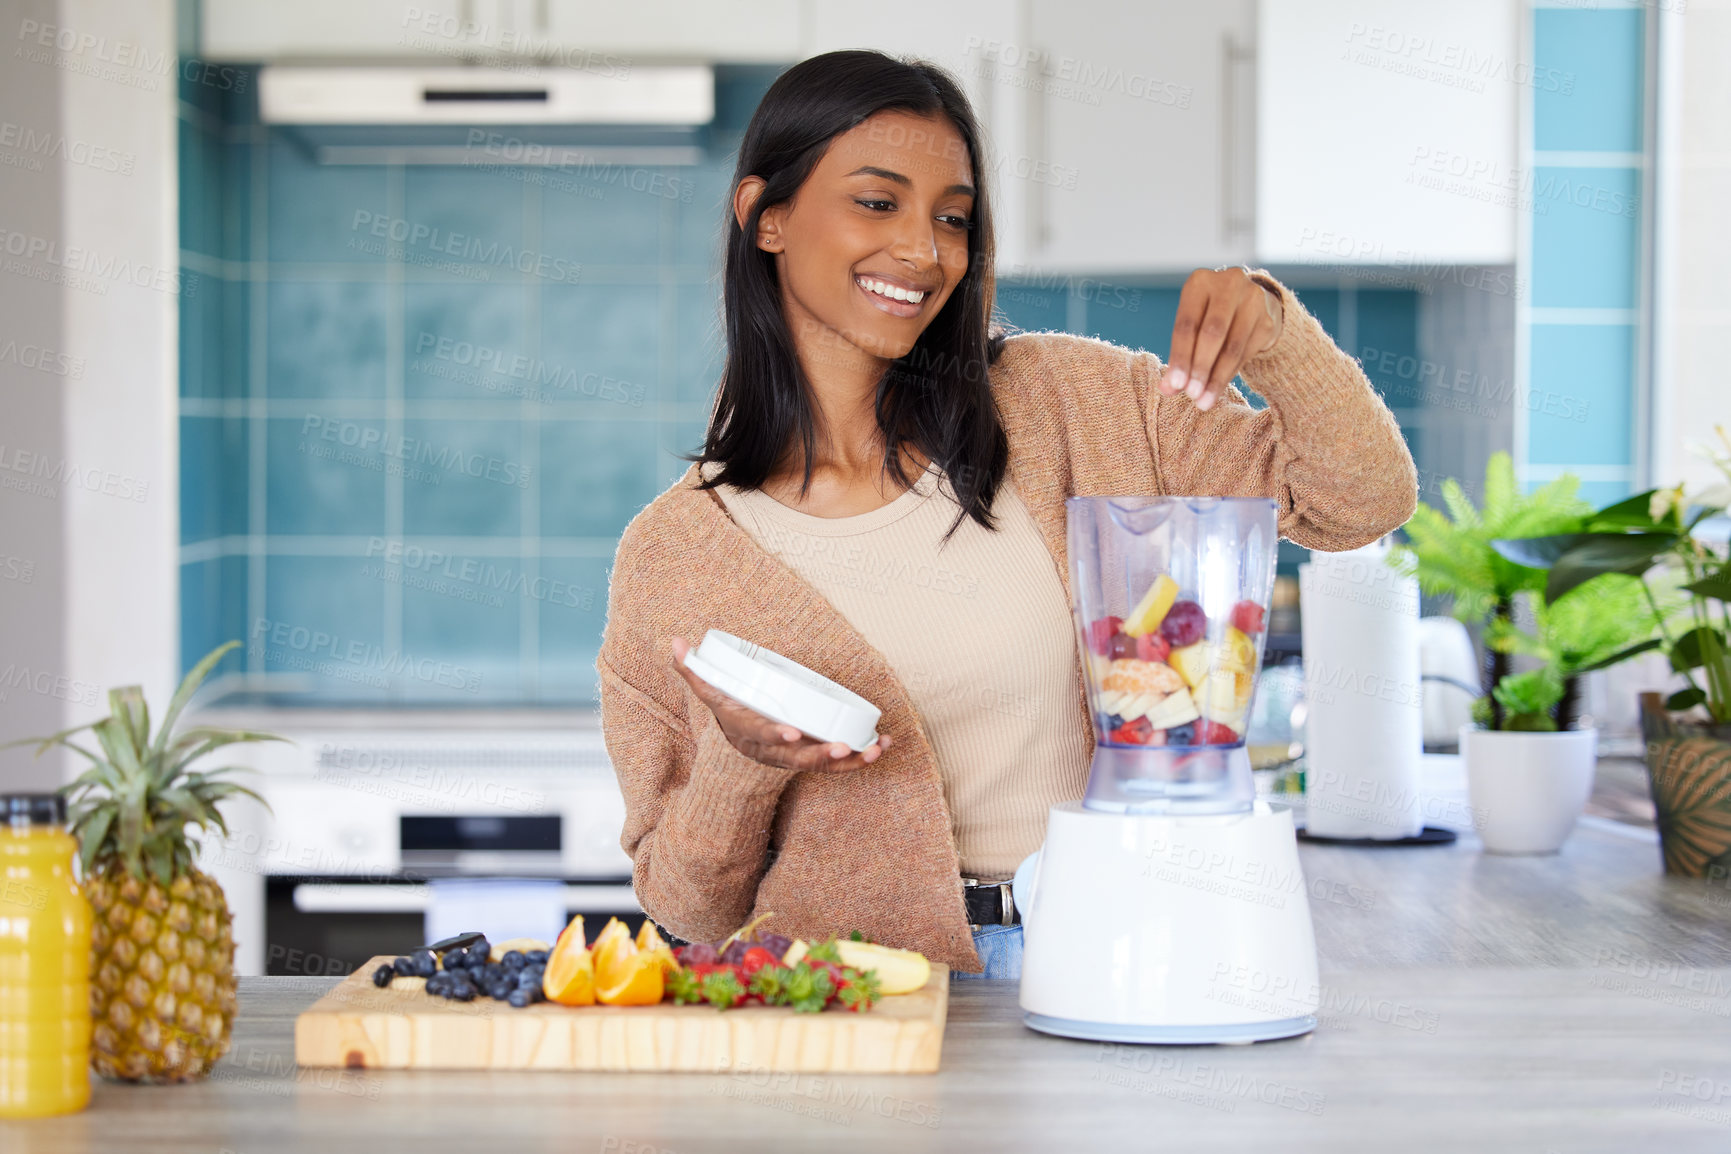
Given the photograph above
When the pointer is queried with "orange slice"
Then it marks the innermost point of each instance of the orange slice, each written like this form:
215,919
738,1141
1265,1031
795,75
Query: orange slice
637,980
612,944
650,941
570,976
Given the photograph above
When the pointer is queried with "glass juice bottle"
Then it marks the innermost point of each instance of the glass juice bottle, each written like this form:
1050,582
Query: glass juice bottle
44,962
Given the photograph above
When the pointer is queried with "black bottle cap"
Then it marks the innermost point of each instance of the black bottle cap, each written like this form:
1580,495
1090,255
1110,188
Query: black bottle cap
22,809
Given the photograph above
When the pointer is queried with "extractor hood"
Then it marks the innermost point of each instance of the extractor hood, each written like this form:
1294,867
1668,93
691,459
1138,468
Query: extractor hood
651,115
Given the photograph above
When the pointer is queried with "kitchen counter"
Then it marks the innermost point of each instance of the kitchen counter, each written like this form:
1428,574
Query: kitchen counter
1580,1002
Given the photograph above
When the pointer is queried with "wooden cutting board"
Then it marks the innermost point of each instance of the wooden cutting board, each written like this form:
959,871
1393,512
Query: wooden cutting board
401,1027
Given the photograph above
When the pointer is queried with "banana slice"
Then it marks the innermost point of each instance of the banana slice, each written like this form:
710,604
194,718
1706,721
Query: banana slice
1178,709
498,952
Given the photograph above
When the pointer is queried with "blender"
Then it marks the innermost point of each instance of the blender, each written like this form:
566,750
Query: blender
1168,906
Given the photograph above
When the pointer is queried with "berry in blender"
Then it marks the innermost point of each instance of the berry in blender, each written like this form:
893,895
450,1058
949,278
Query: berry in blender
1184,625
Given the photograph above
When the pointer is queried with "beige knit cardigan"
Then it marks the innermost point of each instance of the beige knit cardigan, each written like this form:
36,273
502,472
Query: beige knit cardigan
717,838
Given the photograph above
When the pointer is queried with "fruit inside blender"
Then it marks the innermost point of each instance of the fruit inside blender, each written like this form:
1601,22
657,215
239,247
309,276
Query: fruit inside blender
1169,675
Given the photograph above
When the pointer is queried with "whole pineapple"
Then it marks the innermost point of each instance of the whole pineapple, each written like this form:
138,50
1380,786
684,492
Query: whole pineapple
162,986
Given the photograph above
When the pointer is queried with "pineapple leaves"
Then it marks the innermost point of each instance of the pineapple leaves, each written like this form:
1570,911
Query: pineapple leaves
79,749
116,741
43,744
197,741
91,830
183,695
100,774
139,799
127,707
133,819
212,791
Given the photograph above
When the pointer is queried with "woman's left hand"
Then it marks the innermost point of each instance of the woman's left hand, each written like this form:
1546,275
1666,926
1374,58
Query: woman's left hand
1224,319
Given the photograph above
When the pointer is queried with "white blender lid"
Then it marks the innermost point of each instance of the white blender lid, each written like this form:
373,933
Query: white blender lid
784,690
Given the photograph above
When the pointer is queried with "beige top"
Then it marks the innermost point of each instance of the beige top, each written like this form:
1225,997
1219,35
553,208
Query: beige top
980,631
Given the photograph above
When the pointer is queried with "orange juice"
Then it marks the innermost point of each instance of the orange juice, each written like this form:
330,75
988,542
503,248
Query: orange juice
44,962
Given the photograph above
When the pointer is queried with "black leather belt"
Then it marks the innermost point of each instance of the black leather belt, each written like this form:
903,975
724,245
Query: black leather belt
989,904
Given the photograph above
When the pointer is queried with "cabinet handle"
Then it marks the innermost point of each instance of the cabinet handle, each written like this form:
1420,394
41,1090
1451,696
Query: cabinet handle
1039,221
1237,155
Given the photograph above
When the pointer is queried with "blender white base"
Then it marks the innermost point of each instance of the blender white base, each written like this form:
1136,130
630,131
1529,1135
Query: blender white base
1170,1035
1178,930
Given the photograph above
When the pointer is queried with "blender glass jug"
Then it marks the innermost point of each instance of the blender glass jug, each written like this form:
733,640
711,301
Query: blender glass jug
1171,602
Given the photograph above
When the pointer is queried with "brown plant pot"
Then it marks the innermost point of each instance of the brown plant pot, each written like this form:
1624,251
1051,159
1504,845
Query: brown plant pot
1689,772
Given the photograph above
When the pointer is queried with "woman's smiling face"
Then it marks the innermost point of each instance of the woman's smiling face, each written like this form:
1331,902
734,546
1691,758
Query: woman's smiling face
876,240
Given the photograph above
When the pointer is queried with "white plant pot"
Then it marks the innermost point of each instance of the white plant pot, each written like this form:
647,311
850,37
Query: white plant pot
1528,789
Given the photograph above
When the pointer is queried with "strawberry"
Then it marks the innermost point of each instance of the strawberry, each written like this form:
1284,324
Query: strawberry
755,959
1213,733
1247,617
1137,732
1100,634
1152,647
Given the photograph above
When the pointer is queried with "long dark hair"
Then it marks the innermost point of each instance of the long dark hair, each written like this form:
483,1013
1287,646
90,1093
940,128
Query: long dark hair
936,398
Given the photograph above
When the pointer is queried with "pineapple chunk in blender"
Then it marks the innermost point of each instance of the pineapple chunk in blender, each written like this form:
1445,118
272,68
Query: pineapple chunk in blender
1152,609
1225,697
1238,653
1196,663
1192,662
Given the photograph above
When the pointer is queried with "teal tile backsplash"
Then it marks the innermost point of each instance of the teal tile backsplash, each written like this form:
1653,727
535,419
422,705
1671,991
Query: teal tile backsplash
1589,237
596,473
466,341
464,478
1595,51
601,345
325,474
420,403
326,338
320,214
1589,156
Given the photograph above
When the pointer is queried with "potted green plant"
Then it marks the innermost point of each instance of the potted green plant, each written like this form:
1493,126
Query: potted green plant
1658,539
1529,769
1530,778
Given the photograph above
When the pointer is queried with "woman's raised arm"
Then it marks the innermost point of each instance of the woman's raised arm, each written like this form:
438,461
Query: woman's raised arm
1326,448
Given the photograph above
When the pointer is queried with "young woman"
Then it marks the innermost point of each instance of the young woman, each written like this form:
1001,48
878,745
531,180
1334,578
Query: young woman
881,498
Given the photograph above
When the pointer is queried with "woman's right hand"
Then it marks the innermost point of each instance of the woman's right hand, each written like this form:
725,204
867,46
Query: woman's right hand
772,742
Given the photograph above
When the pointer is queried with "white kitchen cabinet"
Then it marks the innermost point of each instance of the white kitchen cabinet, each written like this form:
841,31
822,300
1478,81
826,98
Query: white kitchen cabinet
559,33
738,31
1116,141
951,34
269,30
1387,131
958,35
1138,137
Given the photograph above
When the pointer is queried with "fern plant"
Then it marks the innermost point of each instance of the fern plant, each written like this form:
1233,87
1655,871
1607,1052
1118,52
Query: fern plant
1451,555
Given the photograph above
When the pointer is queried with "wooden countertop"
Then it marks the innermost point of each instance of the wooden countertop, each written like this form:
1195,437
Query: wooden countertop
1574,1003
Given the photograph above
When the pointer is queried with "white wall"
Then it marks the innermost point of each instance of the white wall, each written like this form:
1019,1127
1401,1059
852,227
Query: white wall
1692,384
32,630
87,141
